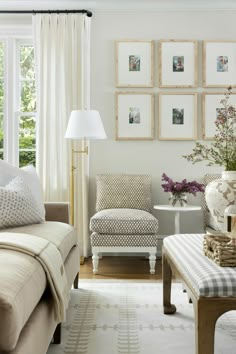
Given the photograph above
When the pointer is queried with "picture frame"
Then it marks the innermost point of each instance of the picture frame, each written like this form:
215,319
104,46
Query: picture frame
134,63
211,107
178,63
134,116
177,116
219,63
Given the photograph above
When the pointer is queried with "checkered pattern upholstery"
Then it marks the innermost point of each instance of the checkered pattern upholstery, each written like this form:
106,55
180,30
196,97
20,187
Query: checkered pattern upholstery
125,240
204,275
123,191
208,219
124,221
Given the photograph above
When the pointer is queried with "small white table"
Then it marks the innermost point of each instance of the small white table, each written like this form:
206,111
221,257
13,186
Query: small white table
177,210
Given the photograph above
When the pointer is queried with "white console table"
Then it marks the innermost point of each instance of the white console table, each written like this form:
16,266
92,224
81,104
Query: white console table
177,210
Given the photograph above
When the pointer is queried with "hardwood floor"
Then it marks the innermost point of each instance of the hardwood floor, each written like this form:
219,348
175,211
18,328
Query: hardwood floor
119,267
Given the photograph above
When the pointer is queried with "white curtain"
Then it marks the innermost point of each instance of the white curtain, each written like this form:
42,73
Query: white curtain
62,57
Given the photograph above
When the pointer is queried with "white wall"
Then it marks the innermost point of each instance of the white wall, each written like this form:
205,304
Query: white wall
152,157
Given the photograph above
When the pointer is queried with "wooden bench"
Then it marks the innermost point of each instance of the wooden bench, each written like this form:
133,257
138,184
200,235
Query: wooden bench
211,288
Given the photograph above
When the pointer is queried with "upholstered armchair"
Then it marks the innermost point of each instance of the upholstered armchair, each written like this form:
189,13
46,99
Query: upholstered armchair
123,222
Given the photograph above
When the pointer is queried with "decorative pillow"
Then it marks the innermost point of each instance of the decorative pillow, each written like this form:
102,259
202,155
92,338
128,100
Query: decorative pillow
18,205
29,175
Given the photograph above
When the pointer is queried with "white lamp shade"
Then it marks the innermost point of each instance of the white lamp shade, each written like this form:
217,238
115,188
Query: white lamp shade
85,124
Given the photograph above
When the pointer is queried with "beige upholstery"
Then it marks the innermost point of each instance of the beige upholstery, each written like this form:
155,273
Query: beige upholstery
26,313
62,235
123,222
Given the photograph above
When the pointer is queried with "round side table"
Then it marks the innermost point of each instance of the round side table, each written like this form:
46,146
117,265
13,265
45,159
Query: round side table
177,210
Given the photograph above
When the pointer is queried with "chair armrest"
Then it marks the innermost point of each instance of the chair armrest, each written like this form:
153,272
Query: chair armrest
57,211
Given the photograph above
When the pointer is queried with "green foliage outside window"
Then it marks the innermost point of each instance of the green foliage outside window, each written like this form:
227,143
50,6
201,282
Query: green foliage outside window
27,126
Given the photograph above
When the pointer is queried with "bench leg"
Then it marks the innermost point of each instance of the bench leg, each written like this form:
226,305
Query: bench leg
152,262
95,259
167,277
205,320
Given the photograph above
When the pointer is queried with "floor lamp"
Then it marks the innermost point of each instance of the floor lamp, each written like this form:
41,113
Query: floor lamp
82,125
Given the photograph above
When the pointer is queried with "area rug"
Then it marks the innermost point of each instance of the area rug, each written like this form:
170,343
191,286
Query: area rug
126,317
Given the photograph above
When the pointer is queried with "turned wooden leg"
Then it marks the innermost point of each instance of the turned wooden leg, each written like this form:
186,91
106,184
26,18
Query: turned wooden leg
76,281
152,262
57,334
95,259
167,277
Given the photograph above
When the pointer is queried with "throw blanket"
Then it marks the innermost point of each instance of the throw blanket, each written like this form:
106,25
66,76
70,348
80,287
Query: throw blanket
50,258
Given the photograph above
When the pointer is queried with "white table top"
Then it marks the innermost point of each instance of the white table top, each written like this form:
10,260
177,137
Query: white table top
177,208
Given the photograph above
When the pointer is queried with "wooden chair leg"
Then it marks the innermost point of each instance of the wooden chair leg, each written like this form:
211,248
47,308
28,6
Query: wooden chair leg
167,277
95,260
76,281
57,334
152,262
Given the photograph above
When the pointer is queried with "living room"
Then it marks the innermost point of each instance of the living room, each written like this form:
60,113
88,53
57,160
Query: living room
113,24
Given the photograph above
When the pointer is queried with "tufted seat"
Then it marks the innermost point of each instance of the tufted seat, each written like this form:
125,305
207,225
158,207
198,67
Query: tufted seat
123,222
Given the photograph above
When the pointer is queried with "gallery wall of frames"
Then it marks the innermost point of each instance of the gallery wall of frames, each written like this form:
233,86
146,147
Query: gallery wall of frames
178,64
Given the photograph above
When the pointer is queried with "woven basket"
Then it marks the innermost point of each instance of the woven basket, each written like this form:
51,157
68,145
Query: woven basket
218,249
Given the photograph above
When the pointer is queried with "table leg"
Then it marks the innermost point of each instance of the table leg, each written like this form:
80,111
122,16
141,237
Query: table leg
177,222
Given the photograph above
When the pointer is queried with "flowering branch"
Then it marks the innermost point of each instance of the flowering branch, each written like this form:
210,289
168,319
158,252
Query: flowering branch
222,151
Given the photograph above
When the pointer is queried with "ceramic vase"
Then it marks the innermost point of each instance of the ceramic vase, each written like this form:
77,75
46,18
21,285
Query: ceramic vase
219,195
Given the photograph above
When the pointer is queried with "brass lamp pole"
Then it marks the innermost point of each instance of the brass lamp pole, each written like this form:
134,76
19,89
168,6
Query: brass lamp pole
82,125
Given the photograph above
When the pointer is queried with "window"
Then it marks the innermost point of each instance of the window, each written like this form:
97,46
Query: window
17,102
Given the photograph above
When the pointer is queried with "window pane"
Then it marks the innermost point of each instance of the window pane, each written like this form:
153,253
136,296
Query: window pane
27,62
28,96
27,158
27,140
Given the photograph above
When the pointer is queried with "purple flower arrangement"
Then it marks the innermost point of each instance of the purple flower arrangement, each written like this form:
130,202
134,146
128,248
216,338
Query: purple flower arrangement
181,187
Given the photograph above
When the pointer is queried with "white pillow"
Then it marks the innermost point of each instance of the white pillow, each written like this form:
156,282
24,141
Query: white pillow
29,175
18,205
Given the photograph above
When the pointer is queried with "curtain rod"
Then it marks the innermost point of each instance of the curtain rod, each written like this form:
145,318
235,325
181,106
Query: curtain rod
33,12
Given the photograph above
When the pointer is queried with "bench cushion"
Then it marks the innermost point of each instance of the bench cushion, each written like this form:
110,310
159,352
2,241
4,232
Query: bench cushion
205,277
124,221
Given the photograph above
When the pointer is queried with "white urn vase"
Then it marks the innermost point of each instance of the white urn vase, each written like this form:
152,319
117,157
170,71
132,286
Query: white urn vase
219,195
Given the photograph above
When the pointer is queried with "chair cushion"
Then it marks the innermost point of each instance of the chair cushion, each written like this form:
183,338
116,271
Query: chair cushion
63,236
124,221
204,275
123,191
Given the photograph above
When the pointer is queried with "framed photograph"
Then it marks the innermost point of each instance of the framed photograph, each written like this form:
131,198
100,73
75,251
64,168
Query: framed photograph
177,116
219,64
211,109
177,63
134,116
134,63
